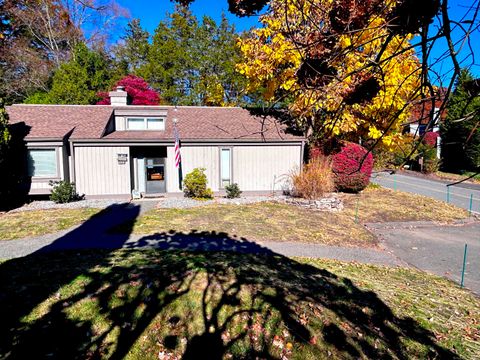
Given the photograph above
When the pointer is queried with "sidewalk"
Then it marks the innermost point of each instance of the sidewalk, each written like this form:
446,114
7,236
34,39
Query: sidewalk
426,246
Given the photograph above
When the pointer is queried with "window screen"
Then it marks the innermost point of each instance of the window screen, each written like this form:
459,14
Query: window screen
226,167
42,162
136,124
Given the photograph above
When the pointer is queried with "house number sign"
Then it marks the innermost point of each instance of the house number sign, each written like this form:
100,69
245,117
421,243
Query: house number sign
122,158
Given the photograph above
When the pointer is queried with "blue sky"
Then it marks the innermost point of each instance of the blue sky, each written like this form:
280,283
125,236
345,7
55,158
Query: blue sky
151,13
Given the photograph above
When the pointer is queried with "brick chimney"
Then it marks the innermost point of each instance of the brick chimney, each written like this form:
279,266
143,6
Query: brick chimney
119,97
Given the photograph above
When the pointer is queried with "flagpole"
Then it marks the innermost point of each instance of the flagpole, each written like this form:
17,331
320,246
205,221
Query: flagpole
178,143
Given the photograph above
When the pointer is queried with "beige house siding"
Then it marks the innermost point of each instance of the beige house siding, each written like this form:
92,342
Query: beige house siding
254,167
98,172
265,167
193,157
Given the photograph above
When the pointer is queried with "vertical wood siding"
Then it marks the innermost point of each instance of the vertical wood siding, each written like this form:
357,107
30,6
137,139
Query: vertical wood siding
255,167
97,171
264,167
193,157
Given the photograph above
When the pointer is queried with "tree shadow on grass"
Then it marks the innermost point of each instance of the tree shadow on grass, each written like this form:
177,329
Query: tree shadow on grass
27,282
195,304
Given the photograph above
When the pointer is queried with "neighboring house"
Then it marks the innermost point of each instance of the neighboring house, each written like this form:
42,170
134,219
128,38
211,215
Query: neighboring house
112,151
421,119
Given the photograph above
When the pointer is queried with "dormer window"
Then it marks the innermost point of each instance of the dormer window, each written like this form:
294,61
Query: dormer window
140,123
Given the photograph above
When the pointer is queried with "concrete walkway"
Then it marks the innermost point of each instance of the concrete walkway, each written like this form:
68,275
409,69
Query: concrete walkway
459,195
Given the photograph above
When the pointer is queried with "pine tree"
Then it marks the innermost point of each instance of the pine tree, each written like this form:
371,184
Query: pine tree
131,53
170,62
79,80
192,63
461,128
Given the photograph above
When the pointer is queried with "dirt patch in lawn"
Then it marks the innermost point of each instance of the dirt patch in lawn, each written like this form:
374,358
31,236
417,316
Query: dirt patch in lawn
272,221
170,305
40,222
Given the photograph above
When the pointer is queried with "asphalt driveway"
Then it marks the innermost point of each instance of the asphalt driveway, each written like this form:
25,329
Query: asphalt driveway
459,195
436,249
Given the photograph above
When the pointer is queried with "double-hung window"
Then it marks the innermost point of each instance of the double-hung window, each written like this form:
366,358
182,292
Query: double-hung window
42,163
225,167
140,123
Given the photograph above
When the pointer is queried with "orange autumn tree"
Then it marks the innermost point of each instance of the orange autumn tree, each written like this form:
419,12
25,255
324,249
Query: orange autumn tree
343,68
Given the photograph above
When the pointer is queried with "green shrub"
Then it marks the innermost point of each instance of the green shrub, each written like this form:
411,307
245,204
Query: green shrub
428,153
63,192
195,185
431,165
233,191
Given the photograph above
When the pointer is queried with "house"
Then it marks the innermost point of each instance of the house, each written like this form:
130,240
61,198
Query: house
421,120
118,150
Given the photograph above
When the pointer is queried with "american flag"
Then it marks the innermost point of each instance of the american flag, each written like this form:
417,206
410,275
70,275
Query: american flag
178,156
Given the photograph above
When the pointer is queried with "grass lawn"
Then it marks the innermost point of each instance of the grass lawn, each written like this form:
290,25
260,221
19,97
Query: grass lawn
281,222
39,222
385,205
170,305
458,177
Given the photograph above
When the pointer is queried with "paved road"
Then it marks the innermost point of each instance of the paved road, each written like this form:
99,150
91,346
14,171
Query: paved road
459,194
437,249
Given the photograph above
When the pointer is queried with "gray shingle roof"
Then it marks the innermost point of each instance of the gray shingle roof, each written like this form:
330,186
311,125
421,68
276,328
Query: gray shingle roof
194,123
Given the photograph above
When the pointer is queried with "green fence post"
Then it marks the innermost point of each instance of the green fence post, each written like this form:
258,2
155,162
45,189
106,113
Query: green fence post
464,264
471,204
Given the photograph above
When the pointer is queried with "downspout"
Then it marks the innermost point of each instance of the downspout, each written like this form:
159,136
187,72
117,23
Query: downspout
302,155
72,167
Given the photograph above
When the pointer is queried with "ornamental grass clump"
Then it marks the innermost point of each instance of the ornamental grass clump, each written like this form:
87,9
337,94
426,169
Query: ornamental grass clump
352,166
315,179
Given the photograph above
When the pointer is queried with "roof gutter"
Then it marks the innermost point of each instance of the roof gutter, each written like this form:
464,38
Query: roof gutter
200,141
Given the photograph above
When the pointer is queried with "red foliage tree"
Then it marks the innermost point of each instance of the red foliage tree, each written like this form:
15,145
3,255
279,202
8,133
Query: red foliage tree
352,167
430,138
138,90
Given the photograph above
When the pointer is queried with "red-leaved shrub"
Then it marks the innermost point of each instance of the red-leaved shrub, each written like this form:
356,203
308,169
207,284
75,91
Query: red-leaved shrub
315,152
352,167
430,138
138,90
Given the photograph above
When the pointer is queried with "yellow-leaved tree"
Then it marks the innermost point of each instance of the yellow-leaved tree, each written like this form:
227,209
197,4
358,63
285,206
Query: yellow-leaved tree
339,67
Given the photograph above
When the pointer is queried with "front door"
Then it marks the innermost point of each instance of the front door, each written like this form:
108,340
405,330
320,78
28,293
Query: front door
155,175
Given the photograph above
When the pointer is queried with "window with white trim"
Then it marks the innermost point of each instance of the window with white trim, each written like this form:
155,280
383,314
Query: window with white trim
135,124
42,163
140,123
225,167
